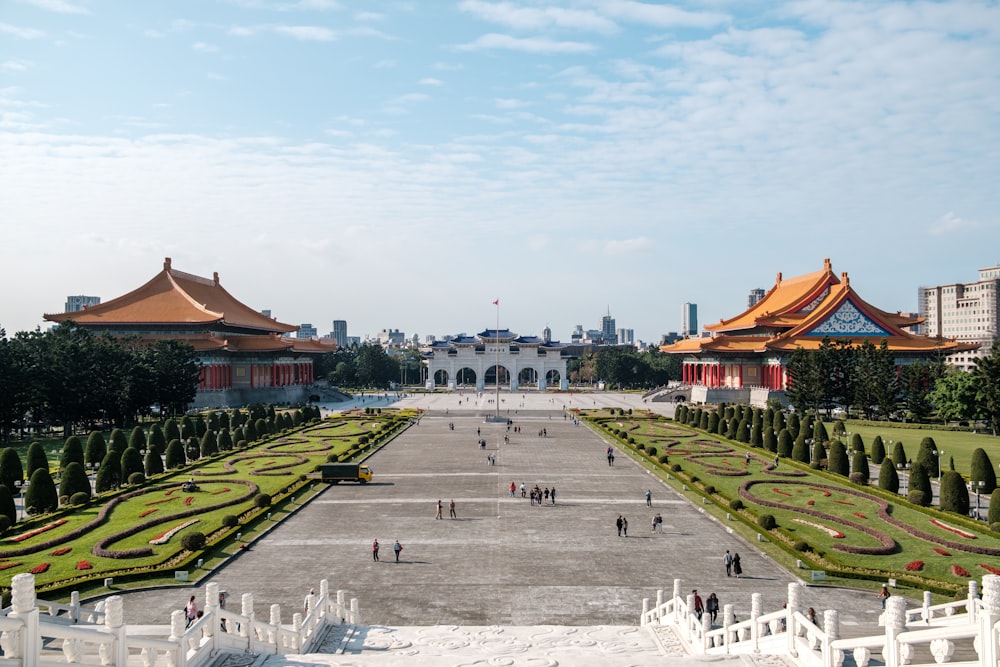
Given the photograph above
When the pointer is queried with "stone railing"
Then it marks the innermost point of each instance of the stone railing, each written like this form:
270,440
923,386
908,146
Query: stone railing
968,628
36,633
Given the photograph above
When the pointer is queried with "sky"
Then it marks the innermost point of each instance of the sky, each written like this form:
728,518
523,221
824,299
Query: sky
402,165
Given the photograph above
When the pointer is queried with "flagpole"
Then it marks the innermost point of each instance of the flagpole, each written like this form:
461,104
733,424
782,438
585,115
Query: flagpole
497,374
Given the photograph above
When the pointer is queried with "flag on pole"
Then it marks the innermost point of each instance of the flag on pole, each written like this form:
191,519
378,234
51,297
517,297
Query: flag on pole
497,302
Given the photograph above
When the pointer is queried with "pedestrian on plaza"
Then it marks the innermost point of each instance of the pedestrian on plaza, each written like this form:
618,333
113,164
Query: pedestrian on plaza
513,488
747,460
659,522
222,607
625,526
727,559
545,493
191,611
649,498
653,524
884,594
309,602
712,606
620,522
811,615
552,494
439,508
699,606
737,566
775,461
375,550
451,509
396,548
522,490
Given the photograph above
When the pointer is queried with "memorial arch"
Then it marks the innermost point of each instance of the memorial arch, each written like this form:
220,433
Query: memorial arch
520,362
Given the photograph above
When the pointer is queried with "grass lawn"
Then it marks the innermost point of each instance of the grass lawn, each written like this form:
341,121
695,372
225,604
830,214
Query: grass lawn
65,548
851,530
957,444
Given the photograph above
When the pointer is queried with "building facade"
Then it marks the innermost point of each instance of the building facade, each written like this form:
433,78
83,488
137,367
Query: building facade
608,333
493,356
689,319
75,304
307,330
245,356
755,295
339,333
744,358
967,312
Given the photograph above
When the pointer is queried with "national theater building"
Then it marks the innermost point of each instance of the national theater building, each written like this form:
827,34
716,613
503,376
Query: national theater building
246,357
518,361
745,357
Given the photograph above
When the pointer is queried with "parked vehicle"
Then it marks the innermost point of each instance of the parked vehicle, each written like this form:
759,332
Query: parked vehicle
335,473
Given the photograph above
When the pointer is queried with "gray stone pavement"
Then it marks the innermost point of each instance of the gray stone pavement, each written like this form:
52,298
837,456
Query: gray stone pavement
502,561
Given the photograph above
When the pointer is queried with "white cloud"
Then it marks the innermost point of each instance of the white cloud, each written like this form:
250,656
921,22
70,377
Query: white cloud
368,16
15,65
507,103
949,223
429,81
660,16
204,47
241,31
617,248
300,5
58,6
385,63
20,33
307,33
526,44
532,18
448,67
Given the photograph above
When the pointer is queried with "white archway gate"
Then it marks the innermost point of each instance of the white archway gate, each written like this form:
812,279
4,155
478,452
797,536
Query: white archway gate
512,353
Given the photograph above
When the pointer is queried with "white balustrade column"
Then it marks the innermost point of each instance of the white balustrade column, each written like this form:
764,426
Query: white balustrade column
24,605
341,611
756,605
659,603
688,619
212,611
728,618
831,628
74,604
324,593
925,612
355,612
275,620
114,623
895,623
676,597
177,623
299,632
970,605
645,610
989,615
246,609
793,605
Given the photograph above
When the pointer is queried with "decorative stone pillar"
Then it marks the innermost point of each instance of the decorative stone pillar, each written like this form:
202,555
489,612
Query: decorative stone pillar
756,604
728,619
970,605
275,620
341,611
793,605
114,624
988,616
676,597
831,627
297,642
688,624
24,643
324,594
925,610
212,611
706,625
246,610
895,623
178,657
355,612
645,610
659,603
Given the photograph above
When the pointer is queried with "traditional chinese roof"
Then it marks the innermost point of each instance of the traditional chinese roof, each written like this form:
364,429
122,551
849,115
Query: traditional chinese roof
499,335
173,298
209,342
800,312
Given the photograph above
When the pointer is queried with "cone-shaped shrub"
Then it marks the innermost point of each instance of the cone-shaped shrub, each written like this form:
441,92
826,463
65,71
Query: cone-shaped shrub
96,449
224,423
109,475
41,496
260,426
72,452
898,454
800,451
921,481
157,439
784,443
213,422
200,426
743,431
11,470
857,444
152,464
713,423
818,454
770,441
926,456
839,429
954,495
878,450
819,432
993,514
74,480
981,469
171,430
756,437
778,422
187,427
887,478
118,442
209,444
225,441
837,461
794,425
36,459
175,454
7,507
859,464
702,421
131,462
732,427
192,450
249,432
137,439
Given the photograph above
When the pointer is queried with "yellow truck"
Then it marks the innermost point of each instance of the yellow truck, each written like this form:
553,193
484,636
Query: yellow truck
335,473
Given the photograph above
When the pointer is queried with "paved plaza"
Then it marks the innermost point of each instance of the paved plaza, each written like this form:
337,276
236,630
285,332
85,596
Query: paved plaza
502,561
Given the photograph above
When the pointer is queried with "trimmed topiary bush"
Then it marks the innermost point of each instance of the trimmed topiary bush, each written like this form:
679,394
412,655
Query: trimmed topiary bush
837,462
651,451
175,455
981,469
767,521
920,481
736,504
136,478
710,490
79,499
230,521
954,495
676,467
878,450
72,451
96,449
802,546
131,463
663,458
918,497
74,481
41,496
193,541
262,500
36,458
887,478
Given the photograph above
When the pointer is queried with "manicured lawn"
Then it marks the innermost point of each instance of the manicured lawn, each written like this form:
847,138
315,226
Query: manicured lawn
957,444
227,483
853,529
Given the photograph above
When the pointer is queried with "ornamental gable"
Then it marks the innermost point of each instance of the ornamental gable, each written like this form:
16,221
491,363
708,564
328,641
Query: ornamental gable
848,320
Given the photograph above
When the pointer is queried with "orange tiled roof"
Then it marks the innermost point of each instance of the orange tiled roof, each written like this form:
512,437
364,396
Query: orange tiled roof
174,297
207,342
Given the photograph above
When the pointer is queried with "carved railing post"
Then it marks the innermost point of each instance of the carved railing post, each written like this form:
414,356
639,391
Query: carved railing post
728,618
659,603
114,623
247,628
971,606
688,622
24,643
794,605
756,604
831,629
324,594
212,612
988,616
895,623
74,606
299,638
355,612
645,610
177,622
341,608
676,597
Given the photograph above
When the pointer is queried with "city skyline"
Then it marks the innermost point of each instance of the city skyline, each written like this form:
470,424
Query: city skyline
408,164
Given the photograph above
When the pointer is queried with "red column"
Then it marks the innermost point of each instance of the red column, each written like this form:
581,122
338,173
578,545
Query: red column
741,375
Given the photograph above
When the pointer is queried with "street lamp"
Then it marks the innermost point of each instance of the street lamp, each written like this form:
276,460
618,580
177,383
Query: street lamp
939,453
19,486
903,467
977,486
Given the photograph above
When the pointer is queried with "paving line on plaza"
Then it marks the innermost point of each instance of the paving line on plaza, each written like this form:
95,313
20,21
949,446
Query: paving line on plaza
503,499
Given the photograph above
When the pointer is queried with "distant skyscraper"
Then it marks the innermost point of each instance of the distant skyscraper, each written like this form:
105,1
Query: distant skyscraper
577,334
689,319
306,330
755,295
608,329
340,332
966,312
547,334
626,336
77,303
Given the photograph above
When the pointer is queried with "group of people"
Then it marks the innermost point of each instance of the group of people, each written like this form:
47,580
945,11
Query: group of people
538,496
396,548
733,564
709,606
440,508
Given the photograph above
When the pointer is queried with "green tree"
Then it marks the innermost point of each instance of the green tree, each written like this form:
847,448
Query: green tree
778,422
131,462
137,439
800,450
878,450
96,449
225,441
837,461
11,470
74,480
818,454
176,373
743,431
954,495
785,443
175,455
171,430
41,496
857,444
209,444
36,459
981,470
109,475
987,377
898,454
954,396
157,439
118,442
993,515
927,456
920,481
7,506
770,441
72,452
250,432
916,384
794,426
819,432
859,466
887,477
152,463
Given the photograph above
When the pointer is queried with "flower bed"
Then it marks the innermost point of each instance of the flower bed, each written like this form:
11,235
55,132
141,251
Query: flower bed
83,565
860,515
826,529
821,490
224,489
941,552
188,500
161,500
990,568
61,551
38,531
957,531
165,536
148,512
960,571
38,569
779,491
7,566
914,566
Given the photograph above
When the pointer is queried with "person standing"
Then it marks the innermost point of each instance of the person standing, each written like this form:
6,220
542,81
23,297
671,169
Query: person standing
659,522
375,550
309,602
552,494
747,464
222,607
513,488
396,548
728,560
699,606
649,498
439,510
712,606
619,523
191,611
884,594
451,509
737,566
523,492
625,526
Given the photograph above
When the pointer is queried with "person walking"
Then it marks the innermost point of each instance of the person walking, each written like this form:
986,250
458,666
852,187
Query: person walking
451,509
375,550
884,594
649,498
190,611
699,606
522,490
727,559
712,606
440,507
513,488
737,566
552,495
659,522
625,526
309,602
620,522
747,464
396,548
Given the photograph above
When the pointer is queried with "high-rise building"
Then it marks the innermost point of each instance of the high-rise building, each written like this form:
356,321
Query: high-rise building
340,332
547,334
689,319
75,304
608,329
756,294
626,336
306,330
967,312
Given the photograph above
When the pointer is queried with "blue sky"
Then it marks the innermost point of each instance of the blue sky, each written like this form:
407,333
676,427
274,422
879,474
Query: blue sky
403,164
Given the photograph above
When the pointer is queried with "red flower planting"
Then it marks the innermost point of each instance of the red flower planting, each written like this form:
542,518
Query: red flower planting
784,493
941,552
914,566
7,566
187,501
38,531
224,489
810,502
823,491
860,515
958,531
959,571
843,502
990,568
161,500
41,567
147,512
63,550
83,565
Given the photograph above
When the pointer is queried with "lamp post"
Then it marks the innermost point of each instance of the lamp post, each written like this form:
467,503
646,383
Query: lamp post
976,486
19,486
939,453
903,467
